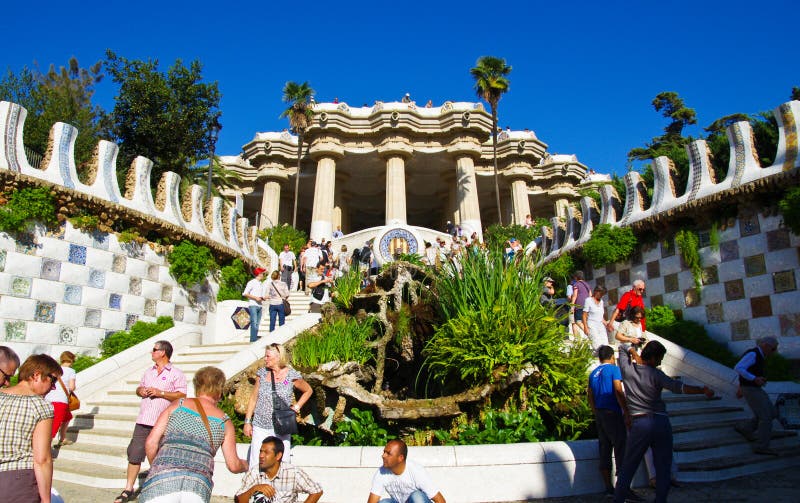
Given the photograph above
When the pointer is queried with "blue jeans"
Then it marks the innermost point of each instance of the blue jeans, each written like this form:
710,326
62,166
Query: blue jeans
415,497
255,321
651,430
276,311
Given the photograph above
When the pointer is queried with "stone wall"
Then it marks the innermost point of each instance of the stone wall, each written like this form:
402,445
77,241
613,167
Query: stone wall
70,290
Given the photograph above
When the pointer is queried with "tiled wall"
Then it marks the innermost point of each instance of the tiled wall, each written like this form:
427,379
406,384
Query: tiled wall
749,283
68,292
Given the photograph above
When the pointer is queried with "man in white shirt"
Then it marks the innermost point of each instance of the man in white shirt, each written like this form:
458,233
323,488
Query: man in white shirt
313,256
403,481
288,263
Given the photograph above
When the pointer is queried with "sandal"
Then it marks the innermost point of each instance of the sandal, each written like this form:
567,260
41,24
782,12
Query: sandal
66,441
124,497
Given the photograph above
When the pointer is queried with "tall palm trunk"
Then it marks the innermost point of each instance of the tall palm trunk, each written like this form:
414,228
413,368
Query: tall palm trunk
297,177
494,154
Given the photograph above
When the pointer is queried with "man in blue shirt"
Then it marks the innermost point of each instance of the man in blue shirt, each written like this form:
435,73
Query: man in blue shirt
607,400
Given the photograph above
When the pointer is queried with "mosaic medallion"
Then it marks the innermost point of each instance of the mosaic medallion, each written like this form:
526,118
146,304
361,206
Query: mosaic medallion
740,330
45,312
755,265
100,240
729,250
667,248
3,254
77,254
135,286
625,277
671,283
710,275
778,239
152,273
703,239
241,318
178,316
784,281
790,324
749,226
691,297
21,287
734,289
15,330
396,242
119,263
656,300
73,294
130,320
166,294
97,278
653,269
761,306
68,335
203,316
51,269
114,301
92,318
150,307
714,313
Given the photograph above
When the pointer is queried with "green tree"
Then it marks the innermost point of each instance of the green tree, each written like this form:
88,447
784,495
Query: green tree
280,235
491,84
221,178
765,130
166,117
300,115
795,93
60,95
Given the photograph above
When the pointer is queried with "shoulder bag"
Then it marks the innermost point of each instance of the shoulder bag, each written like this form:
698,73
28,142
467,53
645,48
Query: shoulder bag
287,308
205,422
73,402
284,421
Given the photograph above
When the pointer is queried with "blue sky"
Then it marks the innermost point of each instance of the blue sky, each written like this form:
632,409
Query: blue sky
584,73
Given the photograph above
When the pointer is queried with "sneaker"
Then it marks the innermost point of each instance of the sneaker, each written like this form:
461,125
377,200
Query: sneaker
633,497
766,451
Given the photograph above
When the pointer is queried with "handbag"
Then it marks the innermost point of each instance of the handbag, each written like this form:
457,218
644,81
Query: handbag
73,402
287,308
284,421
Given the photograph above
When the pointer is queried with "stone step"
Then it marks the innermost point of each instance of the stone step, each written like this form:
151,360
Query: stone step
227,349
733,450
702,439
698,422
671,398
104,436
123,422
105,454
746,459
114,407
763,464
192,367
212,358
91,474
694,409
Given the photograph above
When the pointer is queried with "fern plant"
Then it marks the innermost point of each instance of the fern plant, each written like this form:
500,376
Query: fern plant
688,245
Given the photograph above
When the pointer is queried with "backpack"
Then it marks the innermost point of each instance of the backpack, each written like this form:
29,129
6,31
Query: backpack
356,257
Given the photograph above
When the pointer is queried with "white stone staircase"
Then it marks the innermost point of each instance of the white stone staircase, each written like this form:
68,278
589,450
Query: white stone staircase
707,447
102,427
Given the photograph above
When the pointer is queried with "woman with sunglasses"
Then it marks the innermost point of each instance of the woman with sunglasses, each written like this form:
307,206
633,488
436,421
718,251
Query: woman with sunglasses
258,418
26,463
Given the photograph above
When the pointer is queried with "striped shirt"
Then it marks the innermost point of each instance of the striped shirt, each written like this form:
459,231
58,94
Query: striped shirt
288,483
19,415
170,379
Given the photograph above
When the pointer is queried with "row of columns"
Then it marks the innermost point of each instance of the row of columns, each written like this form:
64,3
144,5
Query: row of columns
327,213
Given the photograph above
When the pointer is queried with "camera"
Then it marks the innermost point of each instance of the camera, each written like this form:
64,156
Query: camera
259,497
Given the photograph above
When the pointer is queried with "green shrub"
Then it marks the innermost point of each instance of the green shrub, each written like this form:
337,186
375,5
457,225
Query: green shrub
693,336
789,207
228,406
778,368
609,245
140,331
83,362
497,427
361,429
233,279
129,236
346,288
342,339
497,235
85,222
26,206
189,264
688,245
278,236
560,268
659,316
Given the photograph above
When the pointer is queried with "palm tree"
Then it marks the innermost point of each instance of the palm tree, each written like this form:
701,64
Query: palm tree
300,114
490,85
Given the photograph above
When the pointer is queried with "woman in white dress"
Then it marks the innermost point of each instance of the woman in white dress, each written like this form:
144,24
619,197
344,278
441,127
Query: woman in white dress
595,326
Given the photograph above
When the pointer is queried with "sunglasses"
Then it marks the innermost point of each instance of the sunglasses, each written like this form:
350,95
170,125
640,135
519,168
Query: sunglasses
156,349
6,377
53,379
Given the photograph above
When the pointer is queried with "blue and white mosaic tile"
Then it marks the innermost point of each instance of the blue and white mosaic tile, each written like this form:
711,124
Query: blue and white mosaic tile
3,254
15,330
21,287
77,254
73,294
27,246
100,240
114,301
92,318
130,320
45,312
67,335
51,269
97,278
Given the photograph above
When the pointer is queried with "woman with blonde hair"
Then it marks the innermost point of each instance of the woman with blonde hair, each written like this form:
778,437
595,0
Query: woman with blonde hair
258,422
183,442
59,398
26,462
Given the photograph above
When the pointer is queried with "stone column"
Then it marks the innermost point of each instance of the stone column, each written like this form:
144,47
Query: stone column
395,191
469,210
519,201
270,204
324,189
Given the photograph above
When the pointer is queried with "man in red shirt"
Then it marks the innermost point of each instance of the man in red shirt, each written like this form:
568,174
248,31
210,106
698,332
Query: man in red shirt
632,298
